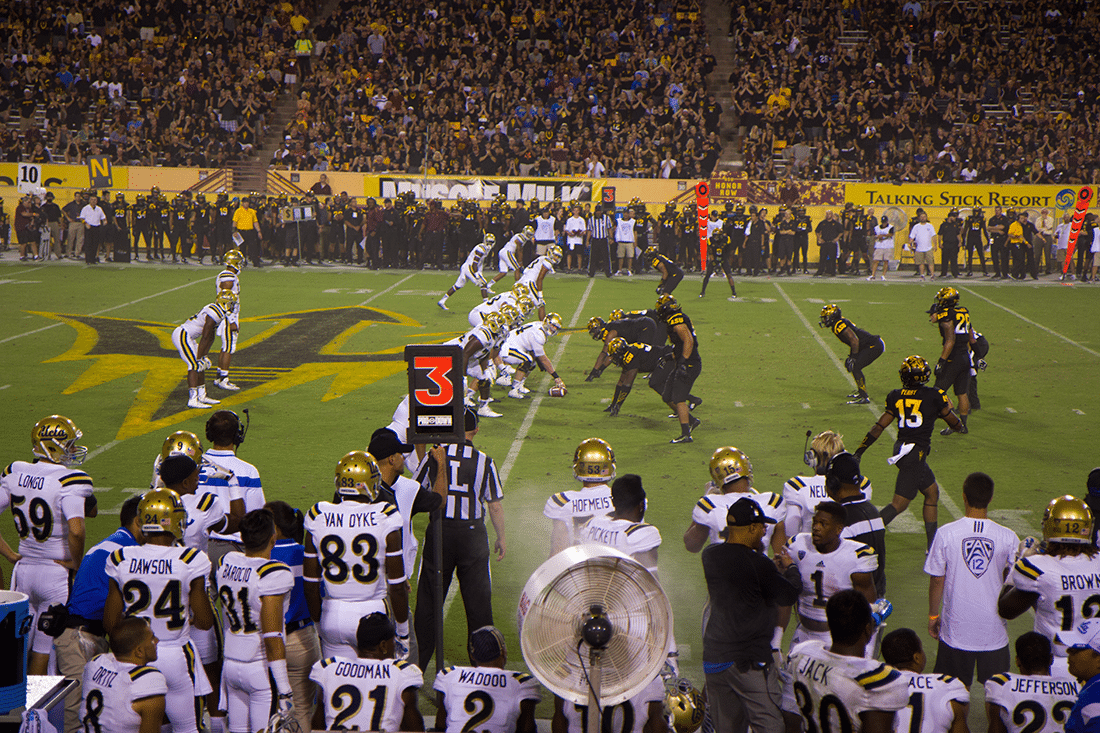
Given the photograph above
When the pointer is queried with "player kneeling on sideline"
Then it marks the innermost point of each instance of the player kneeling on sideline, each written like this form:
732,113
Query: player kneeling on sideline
525,348
373,691
486,696
1034,695
938,702
253,590
122,694
193,339
833,680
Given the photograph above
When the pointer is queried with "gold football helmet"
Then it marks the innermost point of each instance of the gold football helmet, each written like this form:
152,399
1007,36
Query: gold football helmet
520,290
357,474
615,349
597,328
185,443
553,253
618,314
525,305
652,251
162,510
493,322
914,371
666,305
685,705
54,439
226,300
947,297
528,232
830,314
233,259
551,324
510,314
594,461
1068,519
490,239
729,464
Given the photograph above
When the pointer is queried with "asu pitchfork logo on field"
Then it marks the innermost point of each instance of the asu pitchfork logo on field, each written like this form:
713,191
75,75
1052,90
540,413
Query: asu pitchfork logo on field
284,350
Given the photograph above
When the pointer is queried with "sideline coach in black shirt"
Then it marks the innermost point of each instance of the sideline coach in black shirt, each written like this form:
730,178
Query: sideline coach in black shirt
845,485
469,486
746,590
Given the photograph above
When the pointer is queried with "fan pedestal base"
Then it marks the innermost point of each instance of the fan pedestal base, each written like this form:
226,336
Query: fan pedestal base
595,712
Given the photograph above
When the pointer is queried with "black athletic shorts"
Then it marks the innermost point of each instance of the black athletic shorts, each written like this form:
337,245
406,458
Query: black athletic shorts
956,373
960,663
659,376
677,389
914,475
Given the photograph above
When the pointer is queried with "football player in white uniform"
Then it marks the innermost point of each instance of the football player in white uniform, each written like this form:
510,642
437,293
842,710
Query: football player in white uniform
121,692
594,467
205,510
193,339
165,583
534,274
828,564
354,544
525,348
470,272
493,305
1047,581
731,479
477,347
229,279
48,500
802,494
623,528
643,712
486,697
253,591
509,254
371,690
1033,700
938,703
833,686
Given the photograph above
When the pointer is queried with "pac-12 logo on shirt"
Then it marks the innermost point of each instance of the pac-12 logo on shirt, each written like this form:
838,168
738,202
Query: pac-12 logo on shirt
978,553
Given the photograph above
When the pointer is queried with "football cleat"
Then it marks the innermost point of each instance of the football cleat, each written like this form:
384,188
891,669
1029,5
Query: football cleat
486,411
503,381
195,404
54,439
693,422
523,389
209,400
694,402
1068,519
729,464
864,400
442,304
162,510
515,394
357,474
182,442
682,439
225,384
594,460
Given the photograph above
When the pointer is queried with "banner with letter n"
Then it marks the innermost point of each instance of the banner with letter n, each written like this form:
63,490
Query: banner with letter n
436,391
99,171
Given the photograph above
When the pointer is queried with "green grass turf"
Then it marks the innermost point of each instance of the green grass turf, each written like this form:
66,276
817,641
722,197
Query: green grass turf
766,380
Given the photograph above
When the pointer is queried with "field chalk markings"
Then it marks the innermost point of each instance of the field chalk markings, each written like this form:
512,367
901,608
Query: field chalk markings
946,500
380,293
528,420
1025,319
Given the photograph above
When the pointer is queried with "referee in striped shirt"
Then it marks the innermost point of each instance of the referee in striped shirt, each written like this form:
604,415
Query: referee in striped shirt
599,228
469,486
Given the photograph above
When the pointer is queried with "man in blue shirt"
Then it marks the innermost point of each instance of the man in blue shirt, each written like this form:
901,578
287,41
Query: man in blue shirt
84,637
1083,647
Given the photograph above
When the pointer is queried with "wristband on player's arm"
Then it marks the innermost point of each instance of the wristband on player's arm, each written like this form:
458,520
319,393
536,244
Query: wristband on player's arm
868,439
402,628
278,671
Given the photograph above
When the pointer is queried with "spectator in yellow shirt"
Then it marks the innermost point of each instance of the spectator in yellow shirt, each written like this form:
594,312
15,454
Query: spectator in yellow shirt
247,225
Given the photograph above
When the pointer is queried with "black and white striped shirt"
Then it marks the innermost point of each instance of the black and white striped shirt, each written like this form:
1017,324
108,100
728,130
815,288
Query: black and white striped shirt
598,226
472,480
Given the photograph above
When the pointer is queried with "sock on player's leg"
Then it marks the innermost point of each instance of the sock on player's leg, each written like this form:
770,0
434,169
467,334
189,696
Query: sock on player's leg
930,532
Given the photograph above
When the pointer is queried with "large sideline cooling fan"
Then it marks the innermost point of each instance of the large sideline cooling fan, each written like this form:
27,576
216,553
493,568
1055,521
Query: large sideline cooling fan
592,613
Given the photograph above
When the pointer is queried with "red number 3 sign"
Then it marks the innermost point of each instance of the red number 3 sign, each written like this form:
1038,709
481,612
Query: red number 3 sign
437,368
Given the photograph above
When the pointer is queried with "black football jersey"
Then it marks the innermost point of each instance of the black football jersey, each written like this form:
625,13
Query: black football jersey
670,266
843,324
959,317
637,330
916,411
675,320
643,357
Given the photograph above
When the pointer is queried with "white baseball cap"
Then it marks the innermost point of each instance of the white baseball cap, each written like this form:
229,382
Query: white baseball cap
1085,635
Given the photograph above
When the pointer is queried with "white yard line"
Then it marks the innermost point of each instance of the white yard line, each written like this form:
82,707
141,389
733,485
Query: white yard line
529,419
1025,319
946,500
380,293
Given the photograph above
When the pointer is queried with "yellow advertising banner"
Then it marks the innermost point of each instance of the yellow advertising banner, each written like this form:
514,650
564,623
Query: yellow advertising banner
938,198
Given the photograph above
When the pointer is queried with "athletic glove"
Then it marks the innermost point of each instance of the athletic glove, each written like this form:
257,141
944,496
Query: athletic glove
401,647
981,365
285,701
939,367
881,610
681,371
850,363
204,364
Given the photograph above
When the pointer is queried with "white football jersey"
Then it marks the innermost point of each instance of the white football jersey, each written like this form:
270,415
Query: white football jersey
802,494
711,511
43,497
350,538
1035,703
474,260
484,698
624,535
495,303
526,343
241,583
576,507
825,574
193,326
930,698
364,694
628,717
204,510
972,556
155,582
110,688
530,274
822,686
1066,586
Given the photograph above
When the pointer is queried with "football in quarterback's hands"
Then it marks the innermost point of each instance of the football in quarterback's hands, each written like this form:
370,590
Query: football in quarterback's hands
558,391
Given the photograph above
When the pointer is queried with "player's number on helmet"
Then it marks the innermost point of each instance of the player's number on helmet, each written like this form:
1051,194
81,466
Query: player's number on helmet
729,464
357,473
594,460
182,442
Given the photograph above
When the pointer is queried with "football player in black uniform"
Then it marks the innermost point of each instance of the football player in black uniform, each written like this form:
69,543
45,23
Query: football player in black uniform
953,367
679,372
864,348
719,255
915,407
671,274
634,327
632,358
667,224
975,237
802,228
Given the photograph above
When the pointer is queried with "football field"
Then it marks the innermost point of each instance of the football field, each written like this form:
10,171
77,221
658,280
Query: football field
320,366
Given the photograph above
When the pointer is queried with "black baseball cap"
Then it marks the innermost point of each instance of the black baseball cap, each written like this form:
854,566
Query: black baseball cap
176,468
1093,483
470,420
844,466
384,443
744,512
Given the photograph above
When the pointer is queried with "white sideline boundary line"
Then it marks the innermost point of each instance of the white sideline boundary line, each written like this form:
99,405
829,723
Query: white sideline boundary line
946,500
1027,320
107,310
528,421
